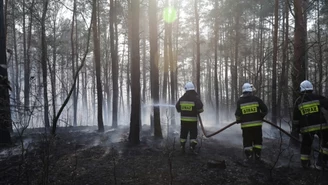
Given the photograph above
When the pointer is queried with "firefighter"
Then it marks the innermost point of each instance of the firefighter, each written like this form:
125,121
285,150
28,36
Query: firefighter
189,105
308,119
249,113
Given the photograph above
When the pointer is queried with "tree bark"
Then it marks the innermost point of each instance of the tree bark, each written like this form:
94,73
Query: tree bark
5,117
298,72
320,62
274,64
166,59
53,72
172,71
27,64
154,73
44,62
197,48
134,135
114,62
98,67
16,76
216,85
73,65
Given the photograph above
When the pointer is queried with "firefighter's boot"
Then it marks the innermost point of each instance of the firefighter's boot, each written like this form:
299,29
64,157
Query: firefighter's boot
321,163
193,144
257,155
306,164
182,146
249,155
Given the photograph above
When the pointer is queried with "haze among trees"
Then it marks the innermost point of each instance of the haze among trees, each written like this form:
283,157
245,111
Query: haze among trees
72,63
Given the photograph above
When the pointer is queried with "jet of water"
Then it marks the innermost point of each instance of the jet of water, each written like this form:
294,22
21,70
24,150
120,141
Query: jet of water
160,105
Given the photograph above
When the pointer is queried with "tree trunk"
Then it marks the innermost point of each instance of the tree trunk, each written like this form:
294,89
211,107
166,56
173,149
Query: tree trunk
16,76
98,67
172,72
73,65
114,62
134,137
236,55
298,72
24,50
44,62
154,73
27,63
274,64
144,70
198,48
216,85
305,9
53,72
5,121
320,62
166,60
286,45
281,91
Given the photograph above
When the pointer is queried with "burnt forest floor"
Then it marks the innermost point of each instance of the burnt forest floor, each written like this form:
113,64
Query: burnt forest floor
82,156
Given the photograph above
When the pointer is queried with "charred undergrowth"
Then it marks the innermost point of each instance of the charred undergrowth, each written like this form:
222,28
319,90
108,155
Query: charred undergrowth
81,155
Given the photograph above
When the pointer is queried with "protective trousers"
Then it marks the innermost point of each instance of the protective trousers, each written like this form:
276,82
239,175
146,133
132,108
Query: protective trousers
186,128
307,139
252,141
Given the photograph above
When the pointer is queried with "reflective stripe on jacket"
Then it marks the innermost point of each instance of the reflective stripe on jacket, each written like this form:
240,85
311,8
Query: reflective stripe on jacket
314,128
251,124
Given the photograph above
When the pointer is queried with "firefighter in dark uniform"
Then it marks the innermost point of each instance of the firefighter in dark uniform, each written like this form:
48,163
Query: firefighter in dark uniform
308,119
189,105
249,113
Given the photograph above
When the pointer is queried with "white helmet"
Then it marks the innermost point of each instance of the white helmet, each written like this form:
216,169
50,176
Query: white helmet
247,87
189,86
306,86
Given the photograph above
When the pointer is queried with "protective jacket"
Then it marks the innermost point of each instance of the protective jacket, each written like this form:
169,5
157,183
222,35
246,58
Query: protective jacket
308,116
250,110
189,105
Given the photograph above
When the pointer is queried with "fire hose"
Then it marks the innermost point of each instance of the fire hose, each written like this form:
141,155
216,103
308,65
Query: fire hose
210,135
282,130
231,124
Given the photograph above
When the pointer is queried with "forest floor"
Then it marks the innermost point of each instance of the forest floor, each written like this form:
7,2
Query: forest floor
82,156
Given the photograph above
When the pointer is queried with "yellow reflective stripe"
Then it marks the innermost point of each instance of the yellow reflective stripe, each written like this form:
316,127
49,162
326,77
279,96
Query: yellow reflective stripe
314,128
184,118
183,140
305,157
324,151
190,103
248,148
193,141
250,104
251,124
257,146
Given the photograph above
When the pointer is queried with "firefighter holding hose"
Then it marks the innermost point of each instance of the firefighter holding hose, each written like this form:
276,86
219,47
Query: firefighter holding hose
249,113
189,106
308,119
